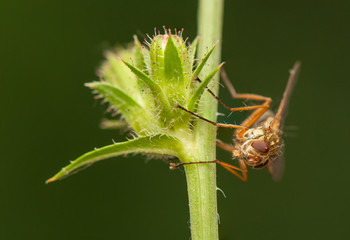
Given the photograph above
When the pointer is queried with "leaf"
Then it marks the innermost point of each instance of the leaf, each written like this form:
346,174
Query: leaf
156,53
114,95
199,91
159,144
117,74
146,58
155,88
172,63
130,109
139,59
192,51
203,62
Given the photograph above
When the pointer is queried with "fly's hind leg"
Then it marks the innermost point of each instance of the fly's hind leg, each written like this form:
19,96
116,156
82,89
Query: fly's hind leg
233,169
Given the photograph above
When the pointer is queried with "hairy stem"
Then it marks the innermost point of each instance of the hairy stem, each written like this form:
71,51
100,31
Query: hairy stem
201,178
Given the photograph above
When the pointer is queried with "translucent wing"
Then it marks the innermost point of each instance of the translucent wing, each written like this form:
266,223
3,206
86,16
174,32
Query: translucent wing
283,107
262,120
276,167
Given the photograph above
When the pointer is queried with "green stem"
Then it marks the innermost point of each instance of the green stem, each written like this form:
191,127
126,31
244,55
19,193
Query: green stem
201,178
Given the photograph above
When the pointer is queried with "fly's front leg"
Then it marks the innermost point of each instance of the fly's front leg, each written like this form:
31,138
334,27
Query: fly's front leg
259,109
211,122
241,96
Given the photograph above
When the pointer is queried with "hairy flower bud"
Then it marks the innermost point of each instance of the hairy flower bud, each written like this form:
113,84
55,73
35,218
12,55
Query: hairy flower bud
146,83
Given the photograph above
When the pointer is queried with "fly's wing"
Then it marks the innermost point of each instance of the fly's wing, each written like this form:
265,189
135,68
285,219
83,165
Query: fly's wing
280,116
276,167
262,120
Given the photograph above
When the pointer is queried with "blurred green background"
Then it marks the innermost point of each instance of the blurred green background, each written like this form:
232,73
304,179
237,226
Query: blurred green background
49,49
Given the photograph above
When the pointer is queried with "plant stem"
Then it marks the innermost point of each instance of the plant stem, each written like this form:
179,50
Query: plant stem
201,178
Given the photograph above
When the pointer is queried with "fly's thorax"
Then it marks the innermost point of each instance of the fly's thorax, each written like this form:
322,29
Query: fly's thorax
254,133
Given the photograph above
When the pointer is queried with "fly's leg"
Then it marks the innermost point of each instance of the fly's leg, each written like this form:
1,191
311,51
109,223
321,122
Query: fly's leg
236,109
240,129
233,169
229,167
211,122
225,146
254,116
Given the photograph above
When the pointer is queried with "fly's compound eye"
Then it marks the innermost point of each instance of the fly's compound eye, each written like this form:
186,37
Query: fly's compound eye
261,146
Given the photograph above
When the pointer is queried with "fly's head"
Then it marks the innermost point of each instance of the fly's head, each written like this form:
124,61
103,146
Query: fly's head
258,146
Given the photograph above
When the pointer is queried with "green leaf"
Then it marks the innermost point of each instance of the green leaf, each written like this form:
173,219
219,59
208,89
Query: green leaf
117,74
156,53
156,90
130,109
204,60
147,59
139,59
114,95
199,91
159,144
172,63
192,51
142,62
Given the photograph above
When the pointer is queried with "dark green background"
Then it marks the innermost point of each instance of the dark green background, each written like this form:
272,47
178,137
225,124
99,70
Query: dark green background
49,49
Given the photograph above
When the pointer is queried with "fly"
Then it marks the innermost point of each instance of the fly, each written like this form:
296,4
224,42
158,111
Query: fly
258,139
